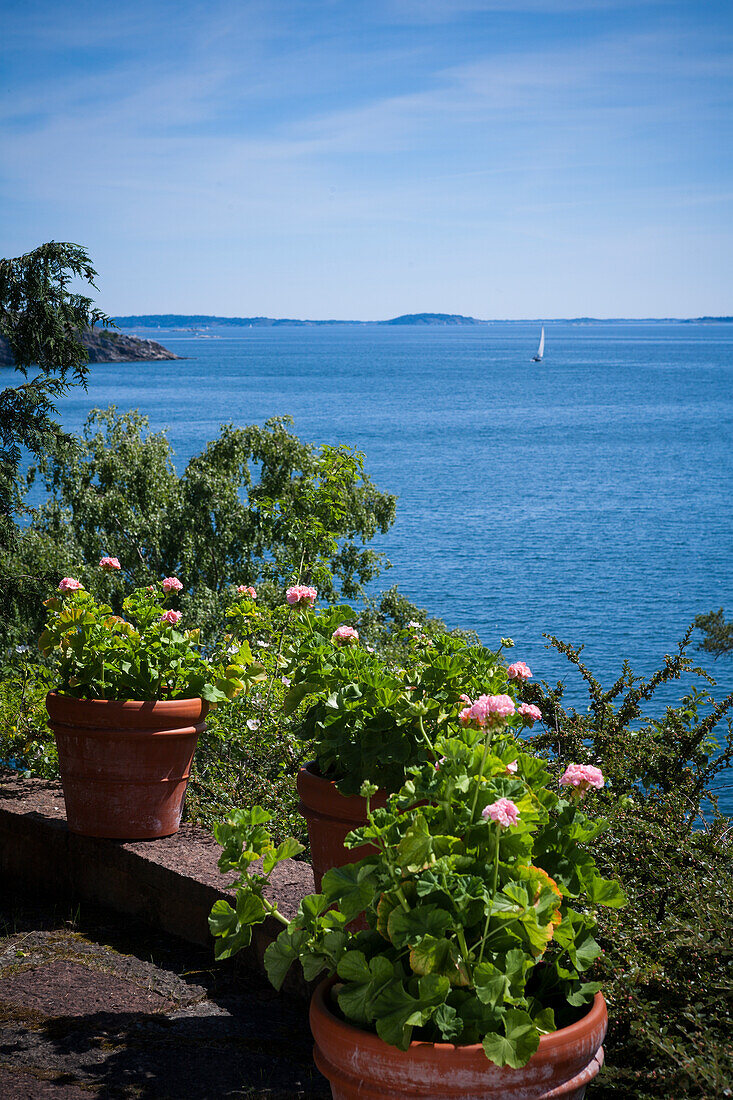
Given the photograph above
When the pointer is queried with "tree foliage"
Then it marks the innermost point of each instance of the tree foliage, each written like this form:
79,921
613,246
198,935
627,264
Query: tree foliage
718,634
41,318
257,506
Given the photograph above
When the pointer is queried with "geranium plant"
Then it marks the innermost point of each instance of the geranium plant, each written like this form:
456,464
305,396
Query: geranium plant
147,653
369,718
479,898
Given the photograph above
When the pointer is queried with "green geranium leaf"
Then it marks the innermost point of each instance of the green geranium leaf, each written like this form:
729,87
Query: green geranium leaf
408,927
448,1022
517,1045
604,891
354,1001
289,848
222,918
281,954
433,955
352,886
250,909
416,847
353,967
491,984
544,1021
396,1013
515,966
583,993
296,695
231,934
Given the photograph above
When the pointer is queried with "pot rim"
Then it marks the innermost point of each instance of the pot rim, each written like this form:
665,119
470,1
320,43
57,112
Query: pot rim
564,1035
55,694
319,793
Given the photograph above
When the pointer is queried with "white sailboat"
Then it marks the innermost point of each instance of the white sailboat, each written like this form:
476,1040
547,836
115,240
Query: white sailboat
541,349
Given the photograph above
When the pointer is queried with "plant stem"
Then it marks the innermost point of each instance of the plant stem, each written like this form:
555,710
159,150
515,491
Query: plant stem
425,737
461,936
487,742
493,892
273,911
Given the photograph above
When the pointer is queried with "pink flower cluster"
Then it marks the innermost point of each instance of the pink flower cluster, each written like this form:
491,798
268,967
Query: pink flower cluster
301,595
582,776
68,584
246,590
110,563
530,712
172,617
519,671
503,812
345,635
171,584
487,708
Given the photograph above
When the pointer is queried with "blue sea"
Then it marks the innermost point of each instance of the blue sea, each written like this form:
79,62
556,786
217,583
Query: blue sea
588,496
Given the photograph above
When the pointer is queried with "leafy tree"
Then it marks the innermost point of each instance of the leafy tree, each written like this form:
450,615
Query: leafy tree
41,318
257,506
718,633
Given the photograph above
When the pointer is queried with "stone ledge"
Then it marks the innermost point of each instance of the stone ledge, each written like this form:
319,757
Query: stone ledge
170,884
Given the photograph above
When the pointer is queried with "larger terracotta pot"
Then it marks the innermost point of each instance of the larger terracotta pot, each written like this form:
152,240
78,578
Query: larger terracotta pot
330,816
125,765
360,1066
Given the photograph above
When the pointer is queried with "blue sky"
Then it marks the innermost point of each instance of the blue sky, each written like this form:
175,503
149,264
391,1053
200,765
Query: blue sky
364,158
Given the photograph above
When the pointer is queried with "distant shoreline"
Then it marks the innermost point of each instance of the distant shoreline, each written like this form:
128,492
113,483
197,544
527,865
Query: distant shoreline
196,321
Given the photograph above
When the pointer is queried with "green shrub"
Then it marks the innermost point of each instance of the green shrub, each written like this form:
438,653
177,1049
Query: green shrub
667,967
25,740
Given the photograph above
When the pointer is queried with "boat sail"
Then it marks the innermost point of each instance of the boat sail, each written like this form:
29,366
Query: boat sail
541,349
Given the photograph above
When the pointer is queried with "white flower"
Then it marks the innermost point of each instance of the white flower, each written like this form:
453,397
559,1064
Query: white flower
263,645
253,723
285,681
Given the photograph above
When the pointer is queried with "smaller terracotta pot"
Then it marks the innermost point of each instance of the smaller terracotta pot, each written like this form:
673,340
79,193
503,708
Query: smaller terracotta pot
125,765
330,816
361,1066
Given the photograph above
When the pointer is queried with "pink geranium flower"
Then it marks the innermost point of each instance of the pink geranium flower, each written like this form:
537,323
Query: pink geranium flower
581,777
110,563
68,584
512,768
503,812
518,671
301,595
487,708
172,617
172,584
345,635
246,590
530,712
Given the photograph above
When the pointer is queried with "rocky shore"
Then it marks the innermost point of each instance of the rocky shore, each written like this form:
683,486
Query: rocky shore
105,346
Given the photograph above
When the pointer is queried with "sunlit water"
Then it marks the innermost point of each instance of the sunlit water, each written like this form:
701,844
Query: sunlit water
587,496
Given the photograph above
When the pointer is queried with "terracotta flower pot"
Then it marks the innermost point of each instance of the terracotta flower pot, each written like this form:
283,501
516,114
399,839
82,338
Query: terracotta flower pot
360,1066
125,765
330,816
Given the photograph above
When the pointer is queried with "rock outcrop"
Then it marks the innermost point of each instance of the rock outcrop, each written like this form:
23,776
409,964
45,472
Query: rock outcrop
107,346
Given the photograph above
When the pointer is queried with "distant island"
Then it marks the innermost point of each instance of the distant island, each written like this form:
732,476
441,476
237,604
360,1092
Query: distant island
196,321
106,346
